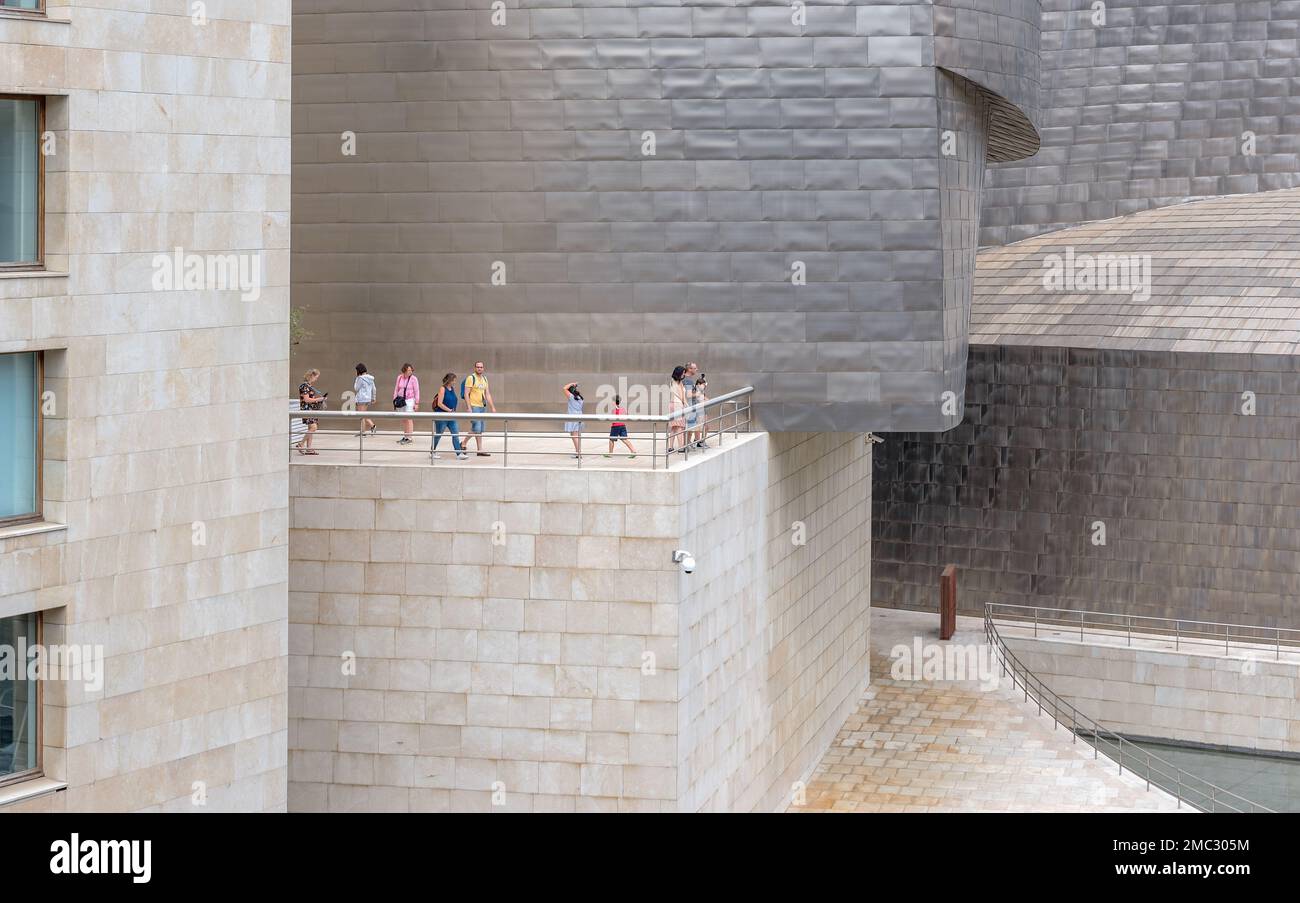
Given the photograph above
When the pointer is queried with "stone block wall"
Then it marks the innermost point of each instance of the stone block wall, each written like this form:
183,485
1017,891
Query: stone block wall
528,629
518,662
774,642
1238,700
165,480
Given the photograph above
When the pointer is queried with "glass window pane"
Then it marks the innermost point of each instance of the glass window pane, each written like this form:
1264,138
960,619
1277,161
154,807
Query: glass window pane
18,699
21,4
19,401
20,166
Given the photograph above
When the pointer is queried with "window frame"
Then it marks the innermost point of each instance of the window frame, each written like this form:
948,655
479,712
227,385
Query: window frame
39,11
38,706
37,265
39,514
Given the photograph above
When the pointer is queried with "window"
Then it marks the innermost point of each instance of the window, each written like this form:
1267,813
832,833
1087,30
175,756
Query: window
19,699
20,437
30,5
22,171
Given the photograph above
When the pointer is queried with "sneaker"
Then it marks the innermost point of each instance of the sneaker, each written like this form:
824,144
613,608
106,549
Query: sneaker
405,440
701,445
461,456
607,456
436,455
631,456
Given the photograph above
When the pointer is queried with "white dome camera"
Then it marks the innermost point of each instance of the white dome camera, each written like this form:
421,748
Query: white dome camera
686,560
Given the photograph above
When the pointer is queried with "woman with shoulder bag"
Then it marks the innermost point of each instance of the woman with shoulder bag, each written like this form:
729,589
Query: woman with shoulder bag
406,397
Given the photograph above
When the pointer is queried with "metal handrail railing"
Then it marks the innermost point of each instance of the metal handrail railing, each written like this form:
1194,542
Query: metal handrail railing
1217,632
712,424
1182,785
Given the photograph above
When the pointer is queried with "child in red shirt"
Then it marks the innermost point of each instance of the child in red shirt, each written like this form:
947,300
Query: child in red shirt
618,431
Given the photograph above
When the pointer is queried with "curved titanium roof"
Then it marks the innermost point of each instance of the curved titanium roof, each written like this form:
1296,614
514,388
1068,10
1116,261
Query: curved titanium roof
1224,275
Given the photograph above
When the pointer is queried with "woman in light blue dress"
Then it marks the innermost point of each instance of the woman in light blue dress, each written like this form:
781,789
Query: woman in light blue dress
574,427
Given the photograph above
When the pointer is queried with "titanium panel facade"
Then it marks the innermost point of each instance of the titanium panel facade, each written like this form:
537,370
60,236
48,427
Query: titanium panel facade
1200,502
995,45
1167,411
522,149
1153,108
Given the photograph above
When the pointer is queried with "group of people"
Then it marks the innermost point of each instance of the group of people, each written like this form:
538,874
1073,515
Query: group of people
688,389
473,390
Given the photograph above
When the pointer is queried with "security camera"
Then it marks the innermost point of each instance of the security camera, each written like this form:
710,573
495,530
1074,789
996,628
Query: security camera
874,439
685,559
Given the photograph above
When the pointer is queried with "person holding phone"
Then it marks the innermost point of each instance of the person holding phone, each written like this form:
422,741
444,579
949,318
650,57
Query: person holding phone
699,396
573,397
309,400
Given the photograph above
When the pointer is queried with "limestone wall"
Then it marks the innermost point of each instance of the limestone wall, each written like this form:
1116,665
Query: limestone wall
165,476
529,627
1242,700
774,640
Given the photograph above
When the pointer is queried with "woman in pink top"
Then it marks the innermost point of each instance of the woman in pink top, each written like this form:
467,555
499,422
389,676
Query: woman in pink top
676,408
406,397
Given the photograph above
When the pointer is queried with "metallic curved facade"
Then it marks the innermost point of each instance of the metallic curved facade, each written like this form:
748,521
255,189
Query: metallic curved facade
1123,454
1200,504
848,149
1156,106
995,45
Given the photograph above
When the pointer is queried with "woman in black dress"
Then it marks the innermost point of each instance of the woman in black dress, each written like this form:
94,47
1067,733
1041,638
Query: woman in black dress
309,400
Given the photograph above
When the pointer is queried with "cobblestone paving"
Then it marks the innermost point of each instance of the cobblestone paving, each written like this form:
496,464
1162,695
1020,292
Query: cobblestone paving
922,746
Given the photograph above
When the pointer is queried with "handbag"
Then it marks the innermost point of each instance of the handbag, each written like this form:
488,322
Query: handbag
399,400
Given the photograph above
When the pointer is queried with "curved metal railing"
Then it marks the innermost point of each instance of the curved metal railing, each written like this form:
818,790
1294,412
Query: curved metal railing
1180,630
1144,764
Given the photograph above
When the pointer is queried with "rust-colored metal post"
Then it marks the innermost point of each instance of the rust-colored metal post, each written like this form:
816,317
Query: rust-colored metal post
948,602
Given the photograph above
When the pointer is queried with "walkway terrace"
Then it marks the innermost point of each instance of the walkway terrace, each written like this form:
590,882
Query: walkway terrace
919,746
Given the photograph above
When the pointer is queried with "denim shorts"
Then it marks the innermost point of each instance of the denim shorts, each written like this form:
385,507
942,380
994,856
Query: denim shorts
476,426
618,432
